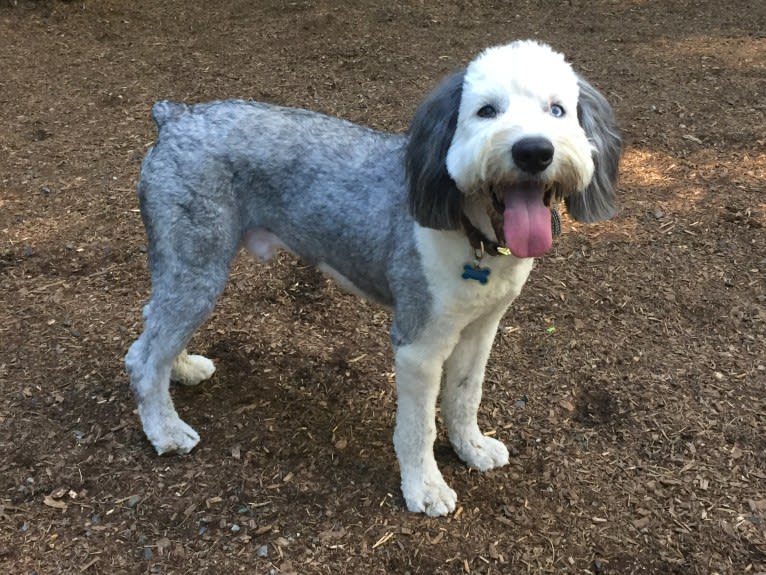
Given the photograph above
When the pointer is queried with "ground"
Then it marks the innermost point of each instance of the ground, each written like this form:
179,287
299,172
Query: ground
628,380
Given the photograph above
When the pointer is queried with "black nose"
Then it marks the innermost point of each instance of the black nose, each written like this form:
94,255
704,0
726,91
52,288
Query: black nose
532,155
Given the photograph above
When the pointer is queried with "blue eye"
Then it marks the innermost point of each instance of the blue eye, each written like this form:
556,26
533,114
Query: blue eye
557,111
487,112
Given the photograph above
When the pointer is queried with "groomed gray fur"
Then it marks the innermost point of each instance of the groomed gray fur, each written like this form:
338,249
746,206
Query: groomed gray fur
221,169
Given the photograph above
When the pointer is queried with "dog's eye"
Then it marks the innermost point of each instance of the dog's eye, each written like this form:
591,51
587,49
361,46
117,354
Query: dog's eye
557,111
487,112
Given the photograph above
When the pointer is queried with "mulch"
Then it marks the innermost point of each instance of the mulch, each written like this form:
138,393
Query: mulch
627,380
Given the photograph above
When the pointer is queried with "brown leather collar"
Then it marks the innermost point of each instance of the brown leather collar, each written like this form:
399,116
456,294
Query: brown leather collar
481,243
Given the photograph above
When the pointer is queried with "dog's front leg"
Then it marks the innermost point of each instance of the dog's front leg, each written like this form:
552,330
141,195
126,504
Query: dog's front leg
418,376
464,377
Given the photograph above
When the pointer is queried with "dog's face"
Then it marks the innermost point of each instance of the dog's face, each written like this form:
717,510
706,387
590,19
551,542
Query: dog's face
517,122
519,127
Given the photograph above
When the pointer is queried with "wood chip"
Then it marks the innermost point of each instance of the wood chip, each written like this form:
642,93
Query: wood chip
55,503
383,540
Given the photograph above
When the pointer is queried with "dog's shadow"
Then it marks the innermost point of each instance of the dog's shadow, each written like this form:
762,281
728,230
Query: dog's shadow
291,403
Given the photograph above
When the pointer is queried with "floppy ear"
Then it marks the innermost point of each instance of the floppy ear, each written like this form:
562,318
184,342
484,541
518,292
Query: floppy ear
597,201
434,199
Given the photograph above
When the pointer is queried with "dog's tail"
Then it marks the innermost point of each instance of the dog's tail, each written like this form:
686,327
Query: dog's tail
165,110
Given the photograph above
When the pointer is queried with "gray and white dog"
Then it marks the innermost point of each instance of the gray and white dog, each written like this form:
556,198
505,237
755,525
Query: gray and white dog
440,225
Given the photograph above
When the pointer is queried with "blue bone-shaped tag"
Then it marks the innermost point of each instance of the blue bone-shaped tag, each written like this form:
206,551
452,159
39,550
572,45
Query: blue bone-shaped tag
471,272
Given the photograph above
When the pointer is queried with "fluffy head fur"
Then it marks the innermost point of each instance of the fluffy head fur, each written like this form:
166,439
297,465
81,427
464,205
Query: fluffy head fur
462,136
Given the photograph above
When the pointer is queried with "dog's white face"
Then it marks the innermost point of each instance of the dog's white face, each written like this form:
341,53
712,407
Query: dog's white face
510,92
518,138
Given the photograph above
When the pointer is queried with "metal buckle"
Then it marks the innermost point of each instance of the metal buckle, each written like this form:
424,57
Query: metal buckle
478,253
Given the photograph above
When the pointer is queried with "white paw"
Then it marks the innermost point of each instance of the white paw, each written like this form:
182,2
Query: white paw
431,496
171,435
481,452
191,369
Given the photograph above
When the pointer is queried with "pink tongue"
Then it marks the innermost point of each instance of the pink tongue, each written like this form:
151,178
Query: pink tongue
527,221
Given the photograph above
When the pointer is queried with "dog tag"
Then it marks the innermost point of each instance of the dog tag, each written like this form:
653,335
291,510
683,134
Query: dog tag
474,272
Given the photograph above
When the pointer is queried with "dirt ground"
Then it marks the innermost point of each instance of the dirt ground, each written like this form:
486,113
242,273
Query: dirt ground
628,380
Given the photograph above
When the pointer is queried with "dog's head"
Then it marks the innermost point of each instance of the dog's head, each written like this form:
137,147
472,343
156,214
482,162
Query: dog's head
519,129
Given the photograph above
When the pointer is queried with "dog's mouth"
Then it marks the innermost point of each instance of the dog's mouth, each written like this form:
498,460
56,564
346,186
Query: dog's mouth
526,217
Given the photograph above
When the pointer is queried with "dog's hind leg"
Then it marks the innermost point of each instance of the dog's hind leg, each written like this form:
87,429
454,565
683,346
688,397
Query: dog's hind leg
190,251
461,395
170,318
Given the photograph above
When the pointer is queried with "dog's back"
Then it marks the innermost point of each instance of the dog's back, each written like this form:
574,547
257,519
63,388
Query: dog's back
330,191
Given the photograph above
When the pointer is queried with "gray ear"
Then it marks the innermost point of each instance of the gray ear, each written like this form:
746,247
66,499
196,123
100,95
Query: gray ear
597,201
434,199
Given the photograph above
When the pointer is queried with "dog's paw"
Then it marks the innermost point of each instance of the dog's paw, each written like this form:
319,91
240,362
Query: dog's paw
482,452
172,436
431,496
191,369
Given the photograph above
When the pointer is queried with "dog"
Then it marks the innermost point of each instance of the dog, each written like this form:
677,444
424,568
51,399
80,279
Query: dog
441,225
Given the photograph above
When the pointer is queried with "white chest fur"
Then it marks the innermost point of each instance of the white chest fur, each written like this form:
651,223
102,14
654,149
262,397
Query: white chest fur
444,253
